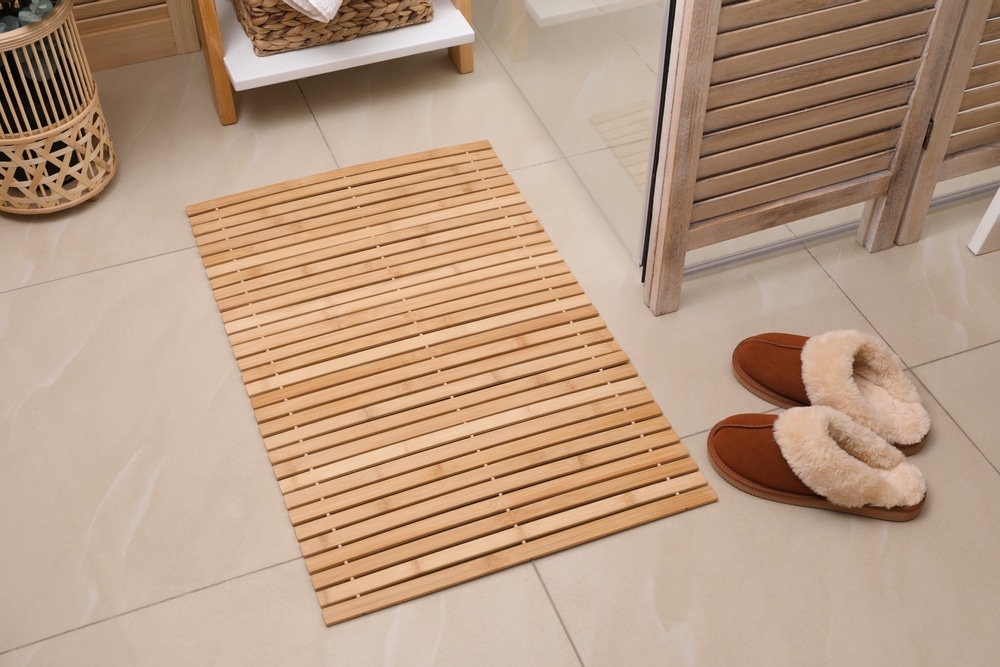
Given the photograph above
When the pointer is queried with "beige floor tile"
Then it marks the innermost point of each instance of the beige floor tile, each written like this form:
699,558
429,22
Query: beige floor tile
122,400
271,617
568,72
608,178
99,645
641,23
966,385
419,103
172,152
928,299
750,581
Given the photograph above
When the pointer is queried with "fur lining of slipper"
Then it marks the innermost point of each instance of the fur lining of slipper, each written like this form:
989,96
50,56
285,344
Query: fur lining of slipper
859,375
845,462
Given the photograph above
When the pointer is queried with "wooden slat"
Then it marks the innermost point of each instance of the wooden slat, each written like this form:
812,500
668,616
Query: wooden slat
771,192
988,52
532,454
451,544
821,46
788,209
285,280
247,325
396,507
348,194
803,98
978,117
774,170
803,26
970,161
423,538
797,142
253,232
436,394
503,333
992,30
813,118
429,372
525,446
217,212
979,97
754,12
980,136
510,367
828,69
984,75
475,495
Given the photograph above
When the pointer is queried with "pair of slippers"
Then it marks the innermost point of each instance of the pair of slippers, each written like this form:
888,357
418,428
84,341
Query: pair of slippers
852,417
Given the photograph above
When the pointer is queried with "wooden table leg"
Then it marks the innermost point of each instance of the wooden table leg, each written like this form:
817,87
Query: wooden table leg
461,55
211,45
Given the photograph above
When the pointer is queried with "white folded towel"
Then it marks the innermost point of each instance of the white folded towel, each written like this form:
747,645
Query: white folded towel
317,10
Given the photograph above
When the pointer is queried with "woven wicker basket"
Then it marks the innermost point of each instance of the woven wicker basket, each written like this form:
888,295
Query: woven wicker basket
55,149
274,27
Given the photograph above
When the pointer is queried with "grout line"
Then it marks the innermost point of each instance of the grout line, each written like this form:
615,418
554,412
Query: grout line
947,412
555,609
97,270
953,354
319,128
151,604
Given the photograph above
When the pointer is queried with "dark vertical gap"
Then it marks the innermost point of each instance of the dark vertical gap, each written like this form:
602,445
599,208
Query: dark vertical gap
668,30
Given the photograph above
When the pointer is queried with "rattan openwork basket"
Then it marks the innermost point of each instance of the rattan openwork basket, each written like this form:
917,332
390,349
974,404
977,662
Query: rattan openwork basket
55,149
274,27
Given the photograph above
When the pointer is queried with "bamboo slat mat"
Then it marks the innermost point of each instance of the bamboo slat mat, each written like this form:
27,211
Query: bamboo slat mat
438,397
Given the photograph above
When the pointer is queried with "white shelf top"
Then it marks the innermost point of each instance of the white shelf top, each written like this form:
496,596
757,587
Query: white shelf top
248,70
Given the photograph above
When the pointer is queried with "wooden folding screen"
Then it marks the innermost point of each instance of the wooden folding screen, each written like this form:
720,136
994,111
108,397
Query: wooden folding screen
781,109
965,137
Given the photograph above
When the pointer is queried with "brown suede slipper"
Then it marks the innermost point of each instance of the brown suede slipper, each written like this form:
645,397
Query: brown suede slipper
848,370
770,366
817,457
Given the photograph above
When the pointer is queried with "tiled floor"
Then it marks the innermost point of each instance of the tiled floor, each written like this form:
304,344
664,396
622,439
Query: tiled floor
141,523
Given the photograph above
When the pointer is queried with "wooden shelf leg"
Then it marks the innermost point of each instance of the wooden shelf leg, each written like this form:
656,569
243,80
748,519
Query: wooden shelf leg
461,55
211,45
